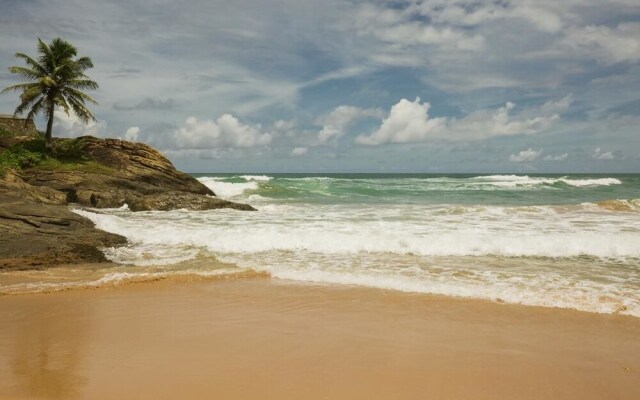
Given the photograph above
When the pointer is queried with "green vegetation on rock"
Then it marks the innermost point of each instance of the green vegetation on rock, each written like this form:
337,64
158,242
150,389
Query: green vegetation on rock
22,155
68,155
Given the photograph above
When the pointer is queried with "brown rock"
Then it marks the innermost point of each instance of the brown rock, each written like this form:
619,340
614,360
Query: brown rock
182,200
36,235
41,194
128,173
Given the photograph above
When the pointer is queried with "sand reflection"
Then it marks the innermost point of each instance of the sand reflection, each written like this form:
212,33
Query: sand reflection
44,353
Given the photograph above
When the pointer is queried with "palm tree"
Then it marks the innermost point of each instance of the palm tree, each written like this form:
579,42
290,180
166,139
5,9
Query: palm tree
57,79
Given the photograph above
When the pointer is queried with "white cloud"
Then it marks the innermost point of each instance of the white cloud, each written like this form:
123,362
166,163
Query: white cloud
132,134
602,156
409,122
525,155
473,13
608,45
400,27
225,132
557,106
282,125
414,33
299,151
560,157
335,123
435,38
71,126
482,124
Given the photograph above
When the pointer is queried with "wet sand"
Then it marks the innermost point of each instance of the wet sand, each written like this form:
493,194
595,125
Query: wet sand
259,338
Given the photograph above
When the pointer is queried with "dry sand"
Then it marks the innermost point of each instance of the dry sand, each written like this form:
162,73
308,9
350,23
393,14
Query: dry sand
267,339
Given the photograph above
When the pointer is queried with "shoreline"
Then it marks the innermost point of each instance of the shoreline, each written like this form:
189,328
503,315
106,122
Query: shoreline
268,338
169,278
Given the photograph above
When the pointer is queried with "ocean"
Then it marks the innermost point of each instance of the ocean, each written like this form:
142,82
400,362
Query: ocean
568,241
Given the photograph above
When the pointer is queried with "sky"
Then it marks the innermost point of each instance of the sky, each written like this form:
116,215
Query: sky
527,86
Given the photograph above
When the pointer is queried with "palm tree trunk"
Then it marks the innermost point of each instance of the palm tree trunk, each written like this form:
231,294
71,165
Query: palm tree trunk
47,137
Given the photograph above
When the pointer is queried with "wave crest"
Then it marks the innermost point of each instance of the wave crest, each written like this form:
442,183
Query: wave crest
262,178
524,180
228,189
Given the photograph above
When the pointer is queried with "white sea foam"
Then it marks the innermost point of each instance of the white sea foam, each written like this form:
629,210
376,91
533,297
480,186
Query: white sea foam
261,240
64,279
106,278
256,198
228,189
141,255
539,232
502,178
118,277
262,178
534,295
591,182
524,180
574,256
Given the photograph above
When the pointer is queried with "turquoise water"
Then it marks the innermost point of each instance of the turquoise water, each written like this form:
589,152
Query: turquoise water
462,189
570,241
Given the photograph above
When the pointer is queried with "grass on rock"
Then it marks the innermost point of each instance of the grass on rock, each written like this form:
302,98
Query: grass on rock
67,155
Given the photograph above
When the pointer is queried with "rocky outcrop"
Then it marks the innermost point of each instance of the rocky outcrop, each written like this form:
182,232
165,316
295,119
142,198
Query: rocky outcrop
36,234
131,173
41,194
38,229
182,200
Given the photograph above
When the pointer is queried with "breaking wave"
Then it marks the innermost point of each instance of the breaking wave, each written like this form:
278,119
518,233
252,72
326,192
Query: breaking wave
519,180
554,241
228,189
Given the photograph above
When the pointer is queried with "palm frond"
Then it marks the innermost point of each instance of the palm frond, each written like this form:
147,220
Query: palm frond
46,59
47,81
31,93
27,103
62,49
33,63
26,73
20,86
57,71
82,97
37,107
84,63
82,84
81,111
62,103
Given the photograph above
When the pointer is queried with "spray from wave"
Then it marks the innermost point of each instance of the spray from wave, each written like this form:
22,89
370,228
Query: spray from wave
228,189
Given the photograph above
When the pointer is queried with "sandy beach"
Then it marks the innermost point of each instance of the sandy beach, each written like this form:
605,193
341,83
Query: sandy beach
272,339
